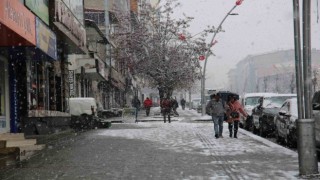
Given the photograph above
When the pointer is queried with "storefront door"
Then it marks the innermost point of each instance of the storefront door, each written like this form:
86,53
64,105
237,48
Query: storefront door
4,120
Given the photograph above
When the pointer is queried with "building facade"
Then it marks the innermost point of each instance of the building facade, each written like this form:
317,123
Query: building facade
269,72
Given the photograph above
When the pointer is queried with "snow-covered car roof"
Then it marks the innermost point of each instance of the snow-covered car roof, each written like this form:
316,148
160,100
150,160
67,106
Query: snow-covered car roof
276,95
80,106
257,94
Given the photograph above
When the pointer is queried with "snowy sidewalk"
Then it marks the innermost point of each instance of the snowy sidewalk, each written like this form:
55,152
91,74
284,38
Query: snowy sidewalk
248,157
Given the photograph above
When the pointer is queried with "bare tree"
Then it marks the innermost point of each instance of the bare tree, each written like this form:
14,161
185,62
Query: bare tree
160,49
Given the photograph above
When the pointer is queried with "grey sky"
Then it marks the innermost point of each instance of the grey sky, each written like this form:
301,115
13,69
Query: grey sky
260,27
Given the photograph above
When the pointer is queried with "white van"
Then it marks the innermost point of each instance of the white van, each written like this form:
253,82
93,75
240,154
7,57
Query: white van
83,111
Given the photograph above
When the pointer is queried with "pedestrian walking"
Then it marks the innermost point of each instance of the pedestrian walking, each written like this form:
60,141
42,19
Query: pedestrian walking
215,109
136,104
175,105
147,105
233,114
166,107
183,103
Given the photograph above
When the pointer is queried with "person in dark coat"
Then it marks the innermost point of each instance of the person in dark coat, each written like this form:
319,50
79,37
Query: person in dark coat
166,107
175,105
136,102
216,110
183,103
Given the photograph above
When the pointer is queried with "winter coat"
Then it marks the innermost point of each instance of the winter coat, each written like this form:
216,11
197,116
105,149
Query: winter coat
215,108
235,107
147,102
166,105
182,102
175,104
136,103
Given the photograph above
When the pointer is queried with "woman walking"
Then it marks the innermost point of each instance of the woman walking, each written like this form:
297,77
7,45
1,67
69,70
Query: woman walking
233,114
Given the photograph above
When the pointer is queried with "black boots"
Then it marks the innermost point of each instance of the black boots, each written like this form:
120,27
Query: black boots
230,134
235,134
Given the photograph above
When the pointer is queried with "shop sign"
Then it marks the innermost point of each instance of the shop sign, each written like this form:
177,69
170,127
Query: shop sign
40,8
71,83
64,16
18,18
46,39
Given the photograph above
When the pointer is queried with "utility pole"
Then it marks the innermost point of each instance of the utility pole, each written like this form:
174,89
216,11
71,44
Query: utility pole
203,75
305,124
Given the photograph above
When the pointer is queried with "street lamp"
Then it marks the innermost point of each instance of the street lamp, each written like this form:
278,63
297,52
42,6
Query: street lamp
212,42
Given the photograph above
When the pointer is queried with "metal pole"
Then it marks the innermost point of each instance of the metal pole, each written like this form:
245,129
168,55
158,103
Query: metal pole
203,77
298,61
307,58
308,163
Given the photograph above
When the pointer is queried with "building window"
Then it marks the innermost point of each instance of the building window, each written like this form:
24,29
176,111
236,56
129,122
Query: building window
39,82
98,16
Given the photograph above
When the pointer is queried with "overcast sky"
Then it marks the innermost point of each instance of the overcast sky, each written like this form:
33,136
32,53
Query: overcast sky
260,27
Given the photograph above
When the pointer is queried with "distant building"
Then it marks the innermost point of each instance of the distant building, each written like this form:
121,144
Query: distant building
269,72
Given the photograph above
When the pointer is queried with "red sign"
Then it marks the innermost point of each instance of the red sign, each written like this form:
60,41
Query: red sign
202,57
19,23
239,2
182,37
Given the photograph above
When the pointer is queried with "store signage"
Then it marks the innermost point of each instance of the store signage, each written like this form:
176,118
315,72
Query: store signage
46,39
40,8
64,16
19,19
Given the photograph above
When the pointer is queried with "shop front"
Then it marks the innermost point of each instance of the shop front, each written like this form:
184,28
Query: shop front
17,31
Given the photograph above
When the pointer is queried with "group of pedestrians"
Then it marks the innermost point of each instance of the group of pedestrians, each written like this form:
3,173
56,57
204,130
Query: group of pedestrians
225,111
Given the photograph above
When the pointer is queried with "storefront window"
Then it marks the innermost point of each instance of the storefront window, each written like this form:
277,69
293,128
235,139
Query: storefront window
39,93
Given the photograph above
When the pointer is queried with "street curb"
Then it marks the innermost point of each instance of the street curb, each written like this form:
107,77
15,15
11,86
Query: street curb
267,142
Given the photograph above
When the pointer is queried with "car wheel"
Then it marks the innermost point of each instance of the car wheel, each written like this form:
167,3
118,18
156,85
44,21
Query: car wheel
261,132
290,141
254,130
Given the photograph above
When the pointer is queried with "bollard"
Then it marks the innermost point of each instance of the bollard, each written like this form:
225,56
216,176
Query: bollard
308,163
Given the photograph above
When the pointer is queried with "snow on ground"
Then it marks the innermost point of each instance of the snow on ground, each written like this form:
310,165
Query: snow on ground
198,138
235,156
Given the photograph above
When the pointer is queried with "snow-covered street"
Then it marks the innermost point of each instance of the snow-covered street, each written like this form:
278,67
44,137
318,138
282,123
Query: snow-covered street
184,149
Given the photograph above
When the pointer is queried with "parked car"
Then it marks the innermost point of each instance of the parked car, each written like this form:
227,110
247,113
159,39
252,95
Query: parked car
83,113
249,101
286,128
195,103
264,114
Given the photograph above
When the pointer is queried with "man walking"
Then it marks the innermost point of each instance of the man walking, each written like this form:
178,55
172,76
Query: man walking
136,104
183,103
215,108
174,105
166,106
147,105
